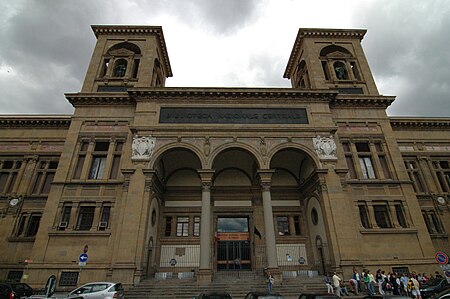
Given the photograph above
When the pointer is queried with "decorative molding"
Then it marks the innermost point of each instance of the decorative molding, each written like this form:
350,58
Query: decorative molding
418,123
362,101
97,99
230,93
137,30
41,121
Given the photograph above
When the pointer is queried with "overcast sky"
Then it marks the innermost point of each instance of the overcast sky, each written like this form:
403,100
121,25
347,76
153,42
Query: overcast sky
46,45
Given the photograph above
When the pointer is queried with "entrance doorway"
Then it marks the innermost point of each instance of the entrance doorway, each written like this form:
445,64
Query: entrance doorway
233,244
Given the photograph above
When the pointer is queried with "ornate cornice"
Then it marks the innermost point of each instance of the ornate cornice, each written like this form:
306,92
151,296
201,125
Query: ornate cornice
362,101
417,123
319,33
230,93
99,99
35,121
137,30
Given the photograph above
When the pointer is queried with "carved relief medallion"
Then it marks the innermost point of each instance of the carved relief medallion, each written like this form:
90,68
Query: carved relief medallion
325,147
142,147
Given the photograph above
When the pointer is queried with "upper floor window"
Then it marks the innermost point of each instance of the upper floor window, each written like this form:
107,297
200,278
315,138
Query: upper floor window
415,175
125,58
120,68
283,226
44,177
9,170
400,213
363,215
339,64
28,225
372,162
340,70
182,226
382,215
433,222
85,218
442,170
104,157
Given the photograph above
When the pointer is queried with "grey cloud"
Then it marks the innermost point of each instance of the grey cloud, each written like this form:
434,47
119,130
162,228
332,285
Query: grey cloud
407,47
217,16
269,70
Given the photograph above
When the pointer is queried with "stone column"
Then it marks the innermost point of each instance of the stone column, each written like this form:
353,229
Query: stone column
204,274
265,177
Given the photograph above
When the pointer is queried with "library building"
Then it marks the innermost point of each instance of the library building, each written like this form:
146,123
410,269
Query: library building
145,181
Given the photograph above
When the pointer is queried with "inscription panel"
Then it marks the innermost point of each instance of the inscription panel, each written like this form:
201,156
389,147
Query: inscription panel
169,115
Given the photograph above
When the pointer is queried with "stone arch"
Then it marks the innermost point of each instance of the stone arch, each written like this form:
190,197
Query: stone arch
125,45
333,51
297,146
238,145
157,154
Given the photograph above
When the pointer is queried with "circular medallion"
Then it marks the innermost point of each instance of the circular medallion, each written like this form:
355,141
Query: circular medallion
441,200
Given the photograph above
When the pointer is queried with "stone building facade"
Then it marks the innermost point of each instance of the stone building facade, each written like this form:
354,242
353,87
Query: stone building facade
150,180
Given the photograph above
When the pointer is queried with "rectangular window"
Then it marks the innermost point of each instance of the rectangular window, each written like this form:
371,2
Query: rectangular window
21,226
363,215
382,216
442,168
182,226
168,228
65,217
44,178
98,167
68,278
196,226
400,215
8,175
104,220
85,218
351,167
116,160
432,221
297,225
415,176
367,168
33,225
283,226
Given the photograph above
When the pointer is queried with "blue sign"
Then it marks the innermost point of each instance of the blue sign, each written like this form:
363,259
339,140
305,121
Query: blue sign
83,257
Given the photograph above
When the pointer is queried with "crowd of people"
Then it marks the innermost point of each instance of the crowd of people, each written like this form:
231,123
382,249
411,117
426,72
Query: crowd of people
406,284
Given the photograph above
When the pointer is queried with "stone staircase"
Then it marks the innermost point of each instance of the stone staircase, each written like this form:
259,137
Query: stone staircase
238,284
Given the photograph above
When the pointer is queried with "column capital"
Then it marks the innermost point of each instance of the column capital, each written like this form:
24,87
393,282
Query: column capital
265,178
206,175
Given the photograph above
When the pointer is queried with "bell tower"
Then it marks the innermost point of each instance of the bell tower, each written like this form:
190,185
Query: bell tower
127,56
330,59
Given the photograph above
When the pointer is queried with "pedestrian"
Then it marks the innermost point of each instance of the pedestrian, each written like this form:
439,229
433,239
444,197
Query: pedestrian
357,277
327,281
337,284
270,281
370,283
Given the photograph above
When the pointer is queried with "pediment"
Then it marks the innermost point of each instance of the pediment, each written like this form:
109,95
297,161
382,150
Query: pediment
338,54
121,52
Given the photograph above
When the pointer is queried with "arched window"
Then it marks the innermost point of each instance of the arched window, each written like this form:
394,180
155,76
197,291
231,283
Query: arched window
120,68
340,70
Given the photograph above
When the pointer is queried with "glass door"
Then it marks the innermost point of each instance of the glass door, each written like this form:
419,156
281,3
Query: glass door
233,243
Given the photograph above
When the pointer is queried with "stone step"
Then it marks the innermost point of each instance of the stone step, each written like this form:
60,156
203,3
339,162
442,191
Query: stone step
238,287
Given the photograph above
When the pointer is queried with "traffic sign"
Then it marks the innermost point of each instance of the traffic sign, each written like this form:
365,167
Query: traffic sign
83,257
441,258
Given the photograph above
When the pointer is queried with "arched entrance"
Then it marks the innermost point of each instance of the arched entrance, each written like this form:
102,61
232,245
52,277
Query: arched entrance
234,196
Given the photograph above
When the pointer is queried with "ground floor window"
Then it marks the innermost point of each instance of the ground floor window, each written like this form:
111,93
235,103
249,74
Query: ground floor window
68,278
15,275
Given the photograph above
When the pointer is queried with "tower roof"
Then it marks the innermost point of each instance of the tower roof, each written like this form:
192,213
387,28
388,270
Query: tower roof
137,30
320,33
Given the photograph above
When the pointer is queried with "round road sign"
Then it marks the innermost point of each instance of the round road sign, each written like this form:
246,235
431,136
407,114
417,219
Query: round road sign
441,258
83,257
